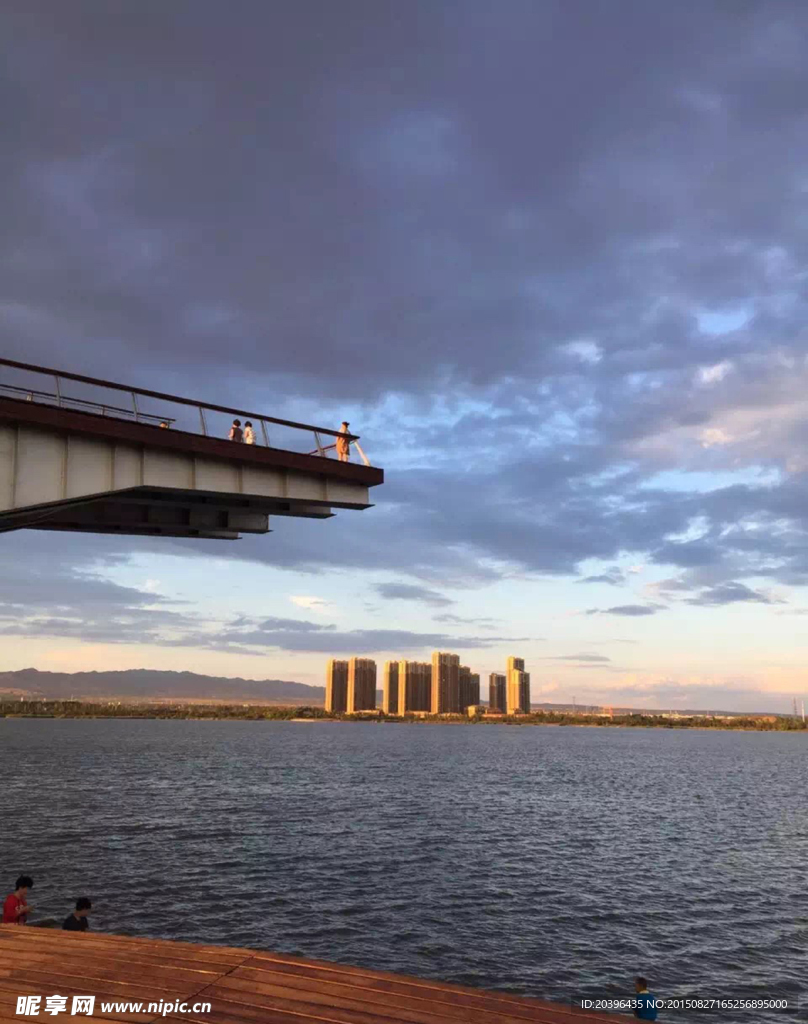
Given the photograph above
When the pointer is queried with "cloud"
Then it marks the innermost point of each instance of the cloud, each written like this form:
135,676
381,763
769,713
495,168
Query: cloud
688,554
731,593
303,636
613,576
527,344
701,694
412,592
46,591
314,604
593,658
629,610
716,373
469,620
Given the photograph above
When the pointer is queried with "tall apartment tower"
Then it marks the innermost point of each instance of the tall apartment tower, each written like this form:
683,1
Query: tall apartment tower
518,688
469,688
445,683
496,693
414,686
390,689
473,688
361,685
336,686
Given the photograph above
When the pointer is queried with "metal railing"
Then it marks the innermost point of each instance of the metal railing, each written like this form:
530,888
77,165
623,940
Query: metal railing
138,414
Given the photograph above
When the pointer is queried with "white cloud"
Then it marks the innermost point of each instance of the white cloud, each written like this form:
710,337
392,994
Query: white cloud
314,604
588,352
716,373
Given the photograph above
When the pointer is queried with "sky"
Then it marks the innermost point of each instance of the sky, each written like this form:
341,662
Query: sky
548,258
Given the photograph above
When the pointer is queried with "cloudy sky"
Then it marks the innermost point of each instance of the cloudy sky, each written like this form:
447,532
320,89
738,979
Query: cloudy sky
548,258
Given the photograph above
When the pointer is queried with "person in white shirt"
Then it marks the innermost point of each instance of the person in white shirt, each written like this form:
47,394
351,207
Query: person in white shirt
249,433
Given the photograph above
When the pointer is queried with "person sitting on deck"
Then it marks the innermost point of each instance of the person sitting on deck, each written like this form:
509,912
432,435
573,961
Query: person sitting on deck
236,433
77,921
249,433
16,908
343,444
647,1003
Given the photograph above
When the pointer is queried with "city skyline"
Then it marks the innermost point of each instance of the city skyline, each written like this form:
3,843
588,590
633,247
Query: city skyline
579,352
440,687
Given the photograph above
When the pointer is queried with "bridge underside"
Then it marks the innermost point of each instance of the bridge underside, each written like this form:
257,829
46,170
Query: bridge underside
86,473
149,512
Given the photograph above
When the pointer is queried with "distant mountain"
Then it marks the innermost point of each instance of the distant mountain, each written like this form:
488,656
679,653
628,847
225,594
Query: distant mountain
147,684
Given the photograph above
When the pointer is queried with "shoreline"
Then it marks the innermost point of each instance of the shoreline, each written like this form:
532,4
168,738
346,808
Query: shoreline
188,711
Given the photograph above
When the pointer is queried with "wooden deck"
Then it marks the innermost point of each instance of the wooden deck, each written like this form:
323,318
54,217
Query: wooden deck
243,986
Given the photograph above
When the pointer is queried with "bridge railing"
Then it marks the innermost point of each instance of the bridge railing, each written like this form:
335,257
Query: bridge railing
46,386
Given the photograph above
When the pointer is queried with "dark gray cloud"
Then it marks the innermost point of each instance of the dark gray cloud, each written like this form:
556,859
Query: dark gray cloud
412,592
48,591
470,620
629,610
613,576
730,593
696,553
249,636
525,267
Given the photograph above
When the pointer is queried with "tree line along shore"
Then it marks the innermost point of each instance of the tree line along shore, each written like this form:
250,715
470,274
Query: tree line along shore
22,708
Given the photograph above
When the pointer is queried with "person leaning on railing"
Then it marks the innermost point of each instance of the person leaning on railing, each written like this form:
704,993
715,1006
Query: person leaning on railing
344,443
236,433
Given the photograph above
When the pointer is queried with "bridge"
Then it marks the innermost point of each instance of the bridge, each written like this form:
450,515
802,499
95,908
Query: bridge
87,455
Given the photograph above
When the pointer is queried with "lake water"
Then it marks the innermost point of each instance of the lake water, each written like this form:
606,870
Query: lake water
548,861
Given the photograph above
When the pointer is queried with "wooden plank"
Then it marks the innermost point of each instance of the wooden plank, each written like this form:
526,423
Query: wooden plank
401,985
298,964
109,988
350,1001
124,946
342,1006
8,1004
393,985
72,962
246,986
437,1009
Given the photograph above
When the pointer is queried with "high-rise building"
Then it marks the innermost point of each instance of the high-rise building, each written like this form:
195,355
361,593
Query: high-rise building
474,689
414,686
361,685
445,683
468,687
525,692
518,688
336,686
390,688
496,692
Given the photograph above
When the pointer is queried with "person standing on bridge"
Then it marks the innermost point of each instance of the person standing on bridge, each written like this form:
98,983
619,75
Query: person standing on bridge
343,443
249,433
236,433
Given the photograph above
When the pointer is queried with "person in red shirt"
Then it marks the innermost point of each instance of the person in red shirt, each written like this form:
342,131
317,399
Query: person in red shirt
16,908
